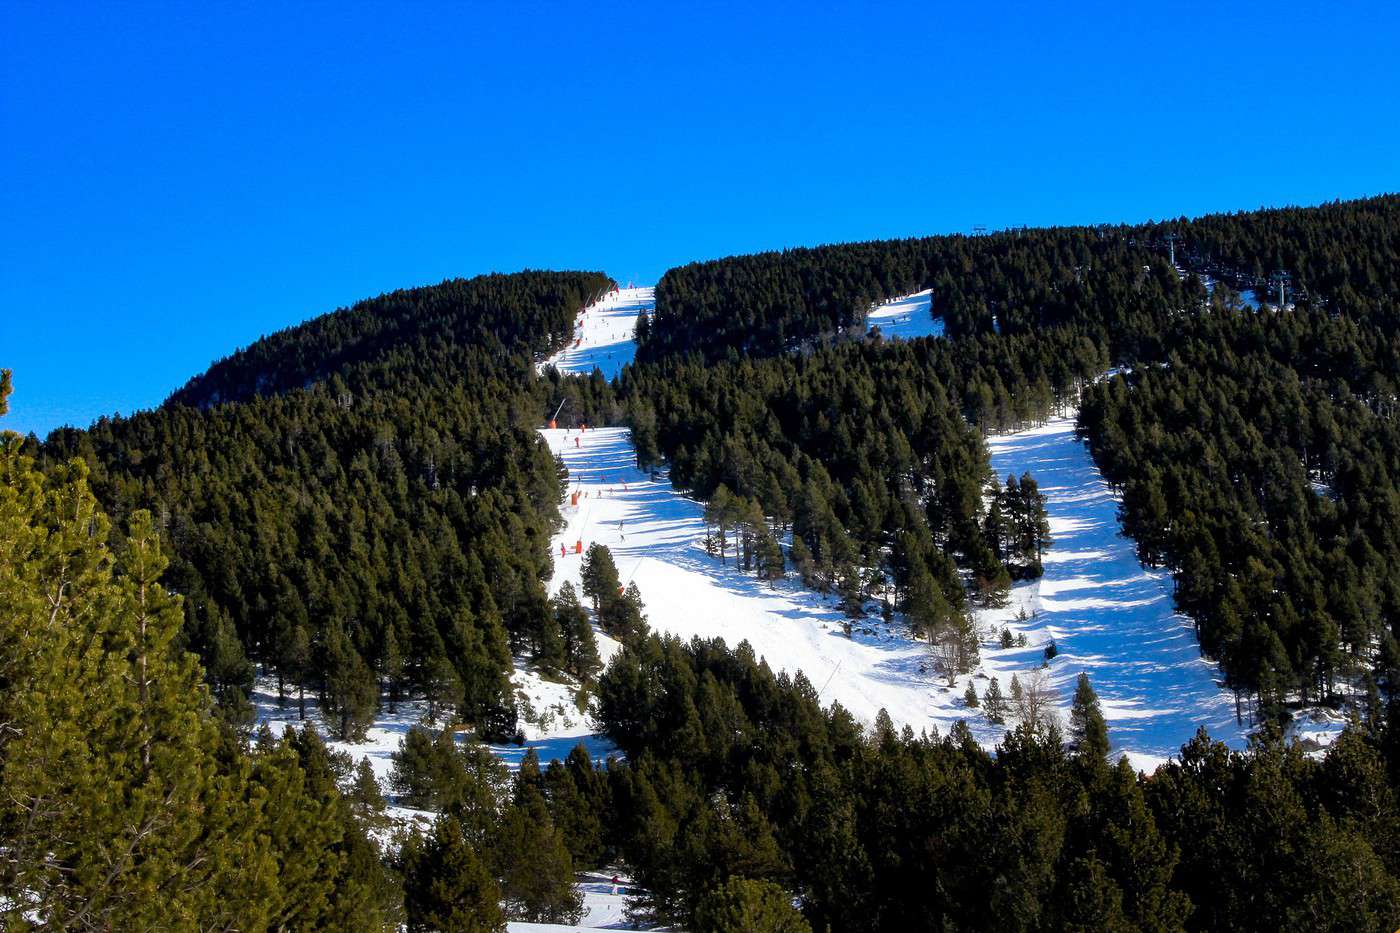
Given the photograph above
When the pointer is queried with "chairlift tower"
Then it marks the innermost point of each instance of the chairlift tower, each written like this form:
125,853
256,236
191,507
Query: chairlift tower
1171,239
1280,280
979,230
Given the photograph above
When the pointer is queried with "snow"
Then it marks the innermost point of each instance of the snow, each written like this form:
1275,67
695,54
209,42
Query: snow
1110,616
603,910
1316,728
906,318
550,720
603,333
655,535
380,742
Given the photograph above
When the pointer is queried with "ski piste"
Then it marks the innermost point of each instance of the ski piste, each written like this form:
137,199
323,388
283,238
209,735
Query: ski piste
1108,615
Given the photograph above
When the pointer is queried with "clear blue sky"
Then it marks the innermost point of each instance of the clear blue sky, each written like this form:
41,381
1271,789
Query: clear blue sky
178,180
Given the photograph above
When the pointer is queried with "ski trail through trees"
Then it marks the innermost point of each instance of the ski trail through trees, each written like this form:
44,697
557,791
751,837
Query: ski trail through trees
1107,614
1110,616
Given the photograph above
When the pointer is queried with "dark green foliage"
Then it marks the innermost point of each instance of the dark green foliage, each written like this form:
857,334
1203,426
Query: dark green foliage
599,576
365,796
769,303
533,860
741,905
1216,453
580,808
579,647
128,803
734,773
994,703
447,886
350,691
1214,436
374,470
406,331
622,616
863,449
512,841
1088,730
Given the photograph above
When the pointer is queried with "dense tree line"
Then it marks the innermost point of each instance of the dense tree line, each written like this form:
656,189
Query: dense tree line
362,502
733,774
1344,256
415,331
127,804
1260,463
868,457
1288,590
1108,281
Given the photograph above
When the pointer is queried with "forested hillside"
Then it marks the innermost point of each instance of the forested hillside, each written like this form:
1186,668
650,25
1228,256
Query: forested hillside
870,454
411,333
732,771
363,504
1342,256
369,504
1111,281
127,804
1230,416
1104,280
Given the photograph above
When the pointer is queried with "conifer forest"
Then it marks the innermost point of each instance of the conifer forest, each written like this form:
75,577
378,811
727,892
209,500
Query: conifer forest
373,527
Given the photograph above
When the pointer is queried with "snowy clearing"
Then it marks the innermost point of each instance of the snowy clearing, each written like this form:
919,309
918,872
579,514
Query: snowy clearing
602,909
906,318
603,334
549,719
1109,615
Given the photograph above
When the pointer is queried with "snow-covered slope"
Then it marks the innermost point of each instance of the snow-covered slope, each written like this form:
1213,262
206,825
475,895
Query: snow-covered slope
906,318
1108,615
603,333
655,535
604,908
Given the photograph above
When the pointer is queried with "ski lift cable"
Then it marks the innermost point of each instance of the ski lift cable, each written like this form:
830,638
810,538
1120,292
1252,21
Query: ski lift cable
830,677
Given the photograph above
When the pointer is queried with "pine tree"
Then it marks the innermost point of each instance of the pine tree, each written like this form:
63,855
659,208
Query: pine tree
850,592
351,689
770,557
580,646
970,697
925,604
742,905
534,864
391,666
802,560
297,662
599,575
442,688
1087,728
551,650
994,704
447,888
227,668
365,797
123,804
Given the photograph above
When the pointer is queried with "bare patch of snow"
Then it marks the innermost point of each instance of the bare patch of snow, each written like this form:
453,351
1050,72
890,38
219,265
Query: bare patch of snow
906,318
1112,617
604,334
